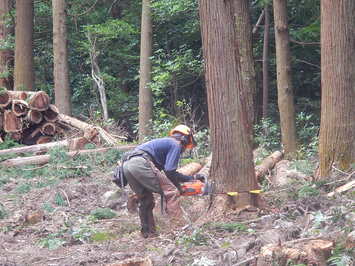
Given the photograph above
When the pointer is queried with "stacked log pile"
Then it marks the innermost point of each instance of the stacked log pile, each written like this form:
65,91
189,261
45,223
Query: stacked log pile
27,117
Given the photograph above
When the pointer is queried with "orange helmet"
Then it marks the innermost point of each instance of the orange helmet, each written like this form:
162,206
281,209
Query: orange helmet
188,141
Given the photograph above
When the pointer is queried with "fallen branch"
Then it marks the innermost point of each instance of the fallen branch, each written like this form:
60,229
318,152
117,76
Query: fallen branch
342,188
42,159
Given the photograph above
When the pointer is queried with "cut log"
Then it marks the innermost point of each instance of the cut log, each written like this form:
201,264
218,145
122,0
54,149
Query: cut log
133,262
267,164
35,148
19,107
284,175
190,169
44,139
18,95
51,114
48,128
42,159
71,121
342,188
314,252
205,170
39,101
79,143
12,123
34,116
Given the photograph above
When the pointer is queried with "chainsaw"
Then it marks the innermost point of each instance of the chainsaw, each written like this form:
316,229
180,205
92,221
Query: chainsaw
196,188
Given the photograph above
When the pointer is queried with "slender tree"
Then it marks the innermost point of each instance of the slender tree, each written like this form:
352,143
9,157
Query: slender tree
61,72
266,61
145,93
337,131
284,79
24,71
232,164
244,37
4,53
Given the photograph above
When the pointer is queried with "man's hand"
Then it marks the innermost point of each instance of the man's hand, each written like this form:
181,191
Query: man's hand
200,177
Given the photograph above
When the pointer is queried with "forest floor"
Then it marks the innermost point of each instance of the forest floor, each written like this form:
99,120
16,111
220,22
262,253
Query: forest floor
65,221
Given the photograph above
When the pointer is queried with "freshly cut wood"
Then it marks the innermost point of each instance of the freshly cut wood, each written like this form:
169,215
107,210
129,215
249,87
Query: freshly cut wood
133,262
342,188
68,120
79,143
18,95
42,159
34,116
48,128
19,107
313,252
39,101
284,175
190,169
267,164
205,170
35,148
12,123
44,139
51,114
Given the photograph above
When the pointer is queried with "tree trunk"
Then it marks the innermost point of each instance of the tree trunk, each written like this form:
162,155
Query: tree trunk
284,80
24,70
337,130
266,62
232,165
61,72
244,37
145,93
4,53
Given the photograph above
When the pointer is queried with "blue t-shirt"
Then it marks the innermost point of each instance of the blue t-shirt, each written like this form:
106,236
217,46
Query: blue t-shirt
165,151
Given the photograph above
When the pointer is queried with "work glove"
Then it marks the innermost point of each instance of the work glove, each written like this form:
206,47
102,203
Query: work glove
200,177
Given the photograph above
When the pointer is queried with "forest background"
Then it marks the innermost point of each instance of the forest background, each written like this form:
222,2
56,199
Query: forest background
177,80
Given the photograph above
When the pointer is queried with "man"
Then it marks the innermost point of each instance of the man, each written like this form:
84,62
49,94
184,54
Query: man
142,169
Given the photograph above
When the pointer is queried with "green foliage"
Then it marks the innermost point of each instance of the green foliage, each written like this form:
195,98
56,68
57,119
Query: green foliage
342,256
83,233
197,238
59,199
267,135
102,236
103,213
308,190
52,241
3,212
228,227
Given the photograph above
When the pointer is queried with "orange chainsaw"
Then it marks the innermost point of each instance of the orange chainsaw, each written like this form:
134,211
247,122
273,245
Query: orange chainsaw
196,188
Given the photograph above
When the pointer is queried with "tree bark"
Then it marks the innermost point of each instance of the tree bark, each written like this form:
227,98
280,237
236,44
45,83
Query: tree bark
24,70
4,53
266,62
61,72
145,93
244,44
232,165
284,79
337,130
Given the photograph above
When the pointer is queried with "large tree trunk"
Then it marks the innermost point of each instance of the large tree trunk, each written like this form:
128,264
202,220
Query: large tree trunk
284,80
244,37
24,71
145,93
4,53
266,62
337,131
232,165
61,73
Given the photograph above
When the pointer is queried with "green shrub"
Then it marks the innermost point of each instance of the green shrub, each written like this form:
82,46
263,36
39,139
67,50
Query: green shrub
103,213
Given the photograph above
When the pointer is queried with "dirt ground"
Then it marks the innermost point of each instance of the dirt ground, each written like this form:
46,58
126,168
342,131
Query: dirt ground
55,225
